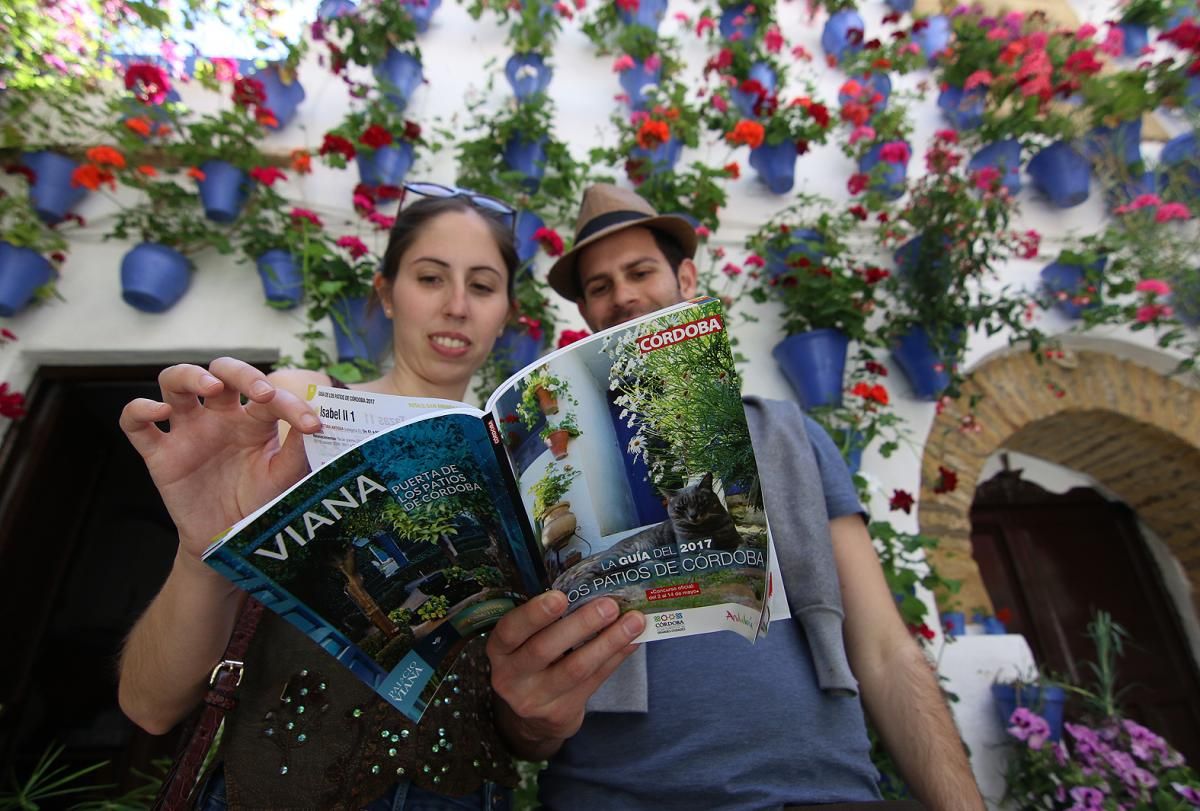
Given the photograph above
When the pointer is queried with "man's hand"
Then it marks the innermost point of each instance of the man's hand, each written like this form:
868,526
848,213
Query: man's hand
546,666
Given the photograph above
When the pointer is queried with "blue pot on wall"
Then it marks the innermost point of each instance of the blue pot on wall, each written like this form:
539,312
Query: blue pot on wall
1137,37
760,72
776,165
528,74
1126,191
1004,155
386,166
332,9
934,36
852,444
154,277
1124,140
222,191
282,97
901,6
927,369
806,243
528,158
51,192
1058,277
634,80
738,23
648,15
1047,701
814,363
360,332
1185,298
879,82
843,32
661,158
282,280
22,272
963,109
890,181
1180,167
516,349
1061,174
398,75
526,226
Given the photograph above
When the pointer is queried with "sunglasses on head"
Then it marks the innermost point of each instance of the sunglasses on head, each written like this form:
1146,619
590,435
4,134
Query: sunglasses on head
502,210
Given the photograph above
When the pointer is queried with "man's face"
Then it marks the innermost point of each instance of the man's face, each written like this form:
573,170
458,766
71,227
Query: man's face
625,275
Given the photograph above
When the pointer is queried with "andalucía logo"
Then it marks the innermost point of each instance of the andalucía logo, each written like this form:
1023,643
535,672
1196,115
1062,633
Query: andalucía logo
684,332
738,617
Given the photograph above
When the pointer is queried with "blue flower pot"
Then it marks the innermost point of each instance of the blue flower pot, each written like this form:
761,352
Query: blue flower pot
1137,37
1126,191
1046,701
332,9
734,31
806,243
954,623
516,349
890,181
843,32
526,226
282,97
1180,167
51,192
422,12
963,109
762,73
156,114
398,76
528,158
386,166
901,6
934,37
649,14
878,81
1191,95
661,158
851,446
1004,155
282,280
814,364
634,80
22,272
1058,277
359,332
776,165
1185,298
154,277
1125,140
1061,174
222,191
927,370
528,74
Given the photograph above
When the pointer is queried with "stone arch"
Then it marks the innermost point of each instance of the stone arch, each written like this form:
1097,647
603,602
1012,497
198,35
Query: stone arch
1133,429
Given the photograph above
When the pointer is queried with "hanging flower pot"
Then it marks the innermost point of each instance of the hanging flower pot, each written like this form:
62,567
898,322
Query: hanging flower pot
738,23
282,281
1124,140
776,165
648,14
901,6
154,277
1137,38
661,158
51,191
1046,700
1126,191
814,363
516,348
332,9
283,97
360,332
399,75
1180,152
932,34
22,272
927,370
557,441
528,158
843,32
877,89
422,12
1066,283
526,226
759,72
1004,155
1062,174
890,180
635,79
386,166
963,109
222,191
805,244
528,74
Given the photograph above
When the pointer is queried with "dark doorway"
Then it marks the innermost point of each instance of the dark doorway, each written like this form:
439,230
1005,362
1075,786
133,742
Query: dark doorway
85,543
1053,560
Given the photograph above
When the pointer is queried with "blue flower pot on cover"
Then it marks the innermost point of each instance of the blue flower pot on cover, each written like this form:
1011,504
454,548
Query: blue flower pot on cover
760,72
1004,155
22,272
359,332
927,370
528,74
992,625
954,623
516,349
776,165
222,191
738,23
1059,277
154,277
282,280
934,36
51,192
1061,174
648,15
890,181
661,158
528,158
806,243
843,31
526,226
386,166
282,97
1137,37
634,80
398,75
1047,701
814,363
963,109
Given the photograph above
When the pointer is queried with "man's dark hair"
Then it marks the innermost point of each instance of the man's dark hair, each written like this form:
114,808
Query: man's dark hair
670,248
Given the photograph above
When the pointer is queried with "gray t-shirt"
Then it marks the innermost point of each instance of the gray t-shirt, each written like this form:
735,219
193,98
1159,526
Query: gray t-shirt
731,725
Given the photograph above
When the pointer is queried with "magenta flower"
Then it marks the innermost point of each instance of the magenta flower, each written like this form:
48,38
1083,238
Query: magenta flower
895,152
977,79
149,83
355,246
623,63
1188,793
1172,211
863,132
304,215
224,68
1026,725
1156,287
653,62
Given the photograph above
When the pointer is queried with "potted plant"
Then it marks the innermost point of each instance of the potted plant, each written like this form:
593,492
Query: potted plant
557,436
380,139
870,67
267,236
549,508
879,144
380,36
28,253
844,30
533,28
1036,693
541,395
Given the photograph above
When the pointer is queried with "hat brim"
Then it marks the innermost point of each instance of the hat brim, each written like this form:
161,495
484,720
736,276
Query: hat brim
563,277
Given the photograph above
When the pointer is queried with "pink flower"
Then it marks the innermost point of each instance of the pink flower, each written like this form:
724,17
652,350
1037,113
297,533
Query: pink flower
623,63
702,232
755,261
224,68
1172,211
773,39
986,178
862,133
895,152
683,19
381,221
1086,31
1114,41
1152,312
731,270
354,245
977,79
653,62
570,336
1141,201
1155,287
304,215
705,24
719,102
997,34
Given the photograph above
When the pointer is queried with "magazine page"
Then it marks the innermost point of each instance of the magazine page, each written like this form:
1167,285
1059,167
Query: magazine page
348,416
633,458
393,554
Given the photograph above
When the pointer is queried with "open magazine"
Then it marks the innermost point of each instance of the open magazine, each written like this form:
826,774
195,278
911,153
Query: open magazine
620,466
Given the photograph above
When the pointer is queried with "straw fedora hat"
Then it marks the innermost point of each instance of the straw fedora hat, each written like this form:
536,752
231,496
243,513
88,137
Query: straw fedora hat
605,210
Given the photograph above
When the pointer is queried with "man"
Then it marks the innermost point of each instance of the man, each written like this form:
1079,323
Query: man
725,725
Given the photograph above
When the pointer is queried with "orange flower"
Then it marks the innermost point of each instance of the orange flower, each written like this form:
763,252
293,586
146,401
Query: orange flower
746,132
91,176
652,134
148,170
733,170
139,125
196,174
301,161
106,156
267,118
163,130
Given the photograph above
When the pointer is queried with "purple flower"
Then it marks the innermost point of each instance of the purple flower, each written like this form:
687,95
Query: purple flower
1189,793
1087,798
1026,725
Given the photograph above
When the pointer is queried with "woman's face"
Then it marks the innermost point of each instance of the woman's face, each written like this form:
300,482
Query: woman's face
448,301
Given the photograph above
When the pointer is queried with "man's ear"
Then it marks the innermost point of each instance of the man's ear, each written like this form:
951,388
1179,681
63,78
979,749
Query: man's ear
687,278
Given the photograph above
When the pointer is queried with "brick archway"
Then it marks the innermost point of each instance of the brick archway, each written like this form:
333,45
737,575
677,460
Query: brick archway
1130,428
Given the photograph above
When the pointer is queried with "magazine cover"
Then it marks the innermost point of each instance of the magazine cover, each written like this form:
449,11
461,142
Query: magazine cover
396,553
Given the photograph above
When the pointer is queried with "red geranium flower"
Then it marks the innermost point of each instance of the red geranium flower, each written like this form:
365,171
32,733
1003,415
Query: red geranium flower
338,145
947,480
300,215
570,336
248,92
267,175
375,137
355,246
902,500
747,132
12,404
550,241
149,83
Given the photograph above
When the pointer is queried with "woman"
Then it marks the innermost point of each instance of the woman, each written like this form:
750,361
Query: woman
306,732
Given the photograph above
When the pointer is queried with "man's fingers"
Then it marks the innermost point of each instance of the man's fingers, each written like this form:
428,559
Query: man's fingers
137,421
596,659
518,625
